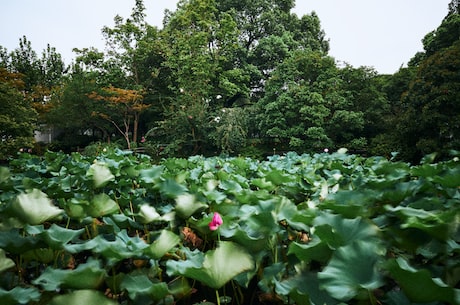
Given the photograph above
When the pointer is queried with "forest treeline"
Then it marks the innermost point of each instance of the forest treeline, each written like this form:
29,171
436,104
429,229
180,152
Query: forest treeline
231,77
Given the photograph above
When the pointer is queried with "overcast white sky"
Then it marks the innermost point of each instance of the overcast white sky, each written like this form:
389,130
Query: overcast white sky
381,34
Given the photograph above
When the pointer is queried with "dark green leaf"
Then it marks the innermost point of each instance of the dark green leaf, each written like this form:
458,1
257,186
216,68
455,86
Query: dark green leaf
419,286
5,262
85,276
352,268
140,285
19,295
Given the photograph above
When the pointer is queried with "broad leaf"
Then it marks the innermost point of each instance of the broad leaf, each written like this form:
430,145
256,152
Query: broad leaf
352,268
148,213
123,246
172,189
151,175
80,297
86,276
165,242
5,262
219,266
102,205
35,207
187,205
337,231
315,249
100,173
4,174
19,295
56,237
419,286
140,285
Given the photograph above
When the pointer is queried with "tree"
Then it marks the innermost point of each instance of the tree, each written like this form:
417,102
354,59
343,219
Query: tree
430,108
201,44
268,33
454,7
72,110
431,120
298,102
42,76
444,36
127,103
17,118
136,60
365,91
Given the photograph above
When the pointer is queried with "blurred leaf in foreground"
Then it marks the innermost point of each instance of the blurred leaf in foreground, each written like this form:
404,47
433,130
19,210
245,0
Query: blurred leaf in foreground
219,266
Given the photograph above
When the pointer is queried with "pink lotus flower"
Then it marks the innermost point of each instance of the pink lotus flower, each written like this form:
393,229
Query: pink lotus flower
215,222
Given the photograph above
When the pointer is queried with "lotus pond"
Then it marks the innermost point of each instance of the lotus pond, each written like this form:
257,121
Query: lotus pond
330,228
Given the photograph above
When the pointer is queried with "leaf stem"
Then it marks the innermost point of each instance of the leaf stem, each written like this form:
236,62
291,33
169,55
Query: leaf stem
217,297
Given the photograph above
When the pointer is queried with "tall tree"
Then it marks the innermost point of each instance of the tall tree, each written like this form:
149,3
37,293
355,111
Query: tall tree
268,32
364,89
430,122
135,61
17,118
42,76
298,102
200,55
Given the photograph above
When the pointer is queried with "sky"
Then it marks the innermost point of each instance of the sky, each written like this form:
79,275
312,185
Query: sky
384,35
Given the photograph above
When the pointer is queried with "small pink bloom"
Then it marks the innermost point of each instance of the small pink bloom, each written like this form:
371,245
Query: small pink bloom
142,139
215,222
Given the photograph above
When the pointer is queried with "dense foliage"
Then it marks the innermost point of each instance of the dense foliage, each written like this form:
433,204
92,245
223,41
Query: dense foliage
235,78
297,229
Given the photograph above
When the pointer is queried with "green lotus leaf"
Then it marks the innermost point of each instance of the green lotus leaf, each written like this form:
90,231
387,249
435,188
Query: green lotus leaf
278,177
151,175
100,173
170,188
19,295
56,237
263,184
148,213
102,205
186,205
231,186
121,247
451,178
315,249
337,231
435,223
164,243
5,262
219,266
42,255
82,297
419,286
352,268
14,242
140,285
85,276
304,289
34,207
